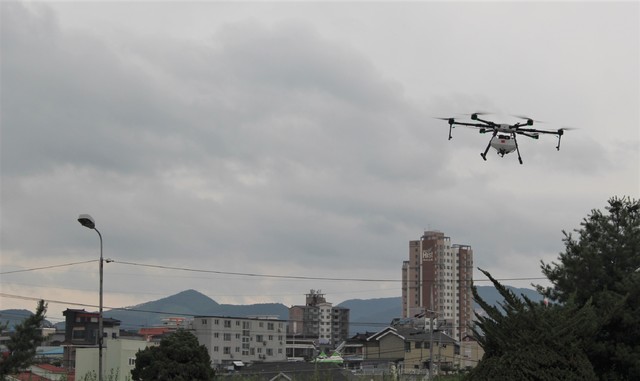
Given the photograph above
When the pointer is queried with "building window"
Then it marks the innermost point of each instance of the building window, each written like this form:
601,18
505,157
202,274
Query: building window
227,337
227,323
226,350
132,361
204,321
78,333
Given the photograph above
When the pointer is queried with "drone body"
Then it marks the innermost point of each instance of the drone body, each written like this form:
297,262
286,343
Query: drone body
503,144
504,136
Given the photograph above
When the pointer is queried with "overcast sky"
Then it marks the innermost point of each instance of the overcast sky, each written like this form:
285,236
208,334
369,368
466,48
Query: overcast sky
299,139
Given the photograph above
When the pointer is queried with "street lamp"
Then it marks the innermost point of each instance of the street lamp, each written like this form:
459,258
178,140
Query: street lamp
87,221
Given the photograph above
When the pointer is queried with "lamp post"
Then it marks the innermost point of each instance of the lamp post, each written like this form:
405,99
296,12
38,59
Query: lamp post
87,221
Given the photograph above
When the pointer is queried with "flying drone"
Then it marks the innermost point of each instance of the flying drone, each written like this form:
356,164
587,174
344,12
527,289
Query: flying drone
503,138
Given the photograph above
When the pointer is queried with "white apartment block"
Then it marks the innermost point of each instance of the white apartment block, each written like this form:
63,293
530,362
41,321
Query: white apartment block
319,319
231,340
119,357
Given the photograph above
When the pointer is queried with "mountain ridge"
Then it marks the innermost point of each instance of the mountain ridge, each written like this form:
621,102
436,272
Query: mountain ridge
365,314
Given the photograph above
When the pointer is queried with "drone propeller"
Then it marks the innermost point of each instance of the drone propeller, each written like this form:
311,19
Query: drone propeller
474,115
450,120
530,121
479,113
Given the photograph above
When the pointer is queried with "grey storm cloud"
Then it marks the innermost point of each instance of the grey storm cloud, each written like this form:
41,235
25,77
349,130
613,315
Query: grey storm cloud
300,139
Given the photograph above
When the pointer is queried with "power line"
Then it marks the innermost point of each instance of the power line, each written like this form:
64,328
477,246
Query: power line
299,277
257,275
48,267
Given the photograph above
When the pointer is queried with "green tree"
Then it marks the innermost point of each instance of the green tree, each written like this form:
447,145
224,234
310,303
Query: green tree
179,357
524,340
22,345
602,265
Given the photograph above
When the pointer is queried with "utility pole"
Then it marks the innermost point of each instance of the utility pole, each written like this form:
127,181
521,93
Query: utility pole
431,331
439,346
430,344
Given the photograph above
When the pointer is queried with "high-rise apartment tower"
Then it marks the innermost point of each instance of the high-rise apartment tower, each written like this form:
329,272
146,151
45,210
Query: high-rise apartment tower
437,280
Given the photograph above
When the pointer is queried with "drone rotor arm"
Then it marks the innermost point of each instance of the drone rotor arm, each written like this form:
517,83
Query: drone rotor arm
536,131
477,125
533,135
486,122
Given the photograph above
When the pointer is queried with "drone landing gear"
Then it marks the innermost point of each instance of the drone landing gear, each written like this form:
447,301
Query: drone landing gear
517,149
560,132
484,154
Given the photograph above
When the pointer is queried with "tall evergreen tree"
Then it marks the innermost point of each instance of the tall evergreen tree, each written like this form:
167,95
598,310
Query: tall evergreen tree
603,265
22,345
525,341
179,357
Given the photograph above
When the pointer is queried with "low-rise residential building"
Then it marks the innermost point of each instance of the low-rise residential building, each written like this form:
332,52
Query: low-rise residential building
81,331
470,352
300,348
409,350
119,357
47,372
239,340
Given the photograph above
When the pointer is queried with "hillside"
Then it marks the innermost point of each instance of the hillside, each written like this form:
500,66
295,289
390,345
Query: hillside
13,317
365,314
371,315
374,314
188,303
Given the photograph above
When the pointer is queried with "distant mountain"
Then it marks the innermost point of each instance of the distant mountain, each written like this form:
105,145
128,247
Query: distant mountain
365,314
14,317
375,314
490,295
188,303
371,315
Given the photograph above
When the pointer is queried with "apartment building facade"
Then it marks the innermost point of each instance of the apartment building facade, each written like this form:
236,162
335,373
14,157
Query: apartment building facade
82,331
436,282
119,358
319,319
239,340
